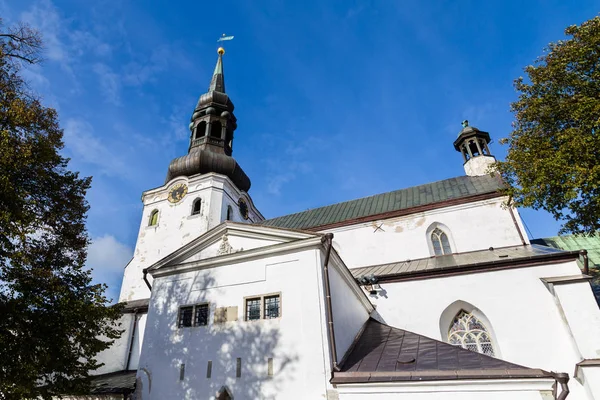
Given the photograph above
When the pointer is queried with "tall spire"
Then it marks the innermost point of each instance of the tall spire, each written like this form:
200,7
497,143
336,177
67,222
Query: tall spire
217,83
211,140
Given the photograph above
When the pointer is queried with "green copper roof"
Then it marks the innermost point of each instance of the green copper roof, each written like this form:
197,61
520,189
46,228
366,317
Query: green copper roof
579,242
217,83
431,193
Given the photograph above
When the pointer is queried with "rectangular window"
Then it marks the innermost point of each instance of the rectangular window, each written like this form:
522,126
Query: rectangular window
201,315
266,306
252,309
271,307
209,370
238,367
185,316
196,315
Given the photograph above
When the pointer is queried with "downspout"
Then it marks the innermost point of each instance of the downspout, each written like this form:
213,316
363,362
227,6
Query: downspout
328,238
145,271
512,215
562,378
135,314
586,265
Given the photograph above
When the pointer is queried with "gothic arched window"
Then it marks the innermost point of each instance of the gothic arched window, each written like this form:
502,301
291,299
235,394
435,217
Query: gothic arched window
229,213
440,242
153,220
196,207
468,332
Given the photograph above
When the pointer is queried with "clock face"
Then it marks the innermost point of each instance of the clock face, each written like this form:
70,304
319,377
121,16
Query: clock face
243,208
177,192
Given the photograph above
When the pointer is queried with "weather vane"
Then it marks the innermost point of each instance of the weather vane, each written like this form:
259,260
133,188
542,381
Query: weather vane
223,38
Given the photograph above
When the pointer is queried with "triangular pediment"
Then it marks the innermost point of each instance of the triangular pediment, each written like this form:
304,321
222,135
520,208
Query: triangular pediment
230,238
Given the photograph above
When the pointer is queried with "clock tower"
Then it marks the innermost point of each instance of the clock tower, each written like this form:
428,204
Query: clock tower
202,189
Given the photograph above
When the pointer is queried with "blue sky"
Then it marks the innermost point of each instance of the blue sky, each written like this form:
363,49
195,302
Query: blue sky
335,100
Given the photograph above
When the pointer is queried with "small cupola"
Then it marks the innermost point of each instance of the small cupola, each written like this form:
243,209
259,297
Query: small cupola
472,143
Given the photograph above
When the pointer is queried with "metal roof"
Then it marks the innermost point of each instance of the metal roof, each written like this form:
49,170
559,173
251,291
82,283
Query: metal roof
383,353
115,382
578,242
461,261
403,199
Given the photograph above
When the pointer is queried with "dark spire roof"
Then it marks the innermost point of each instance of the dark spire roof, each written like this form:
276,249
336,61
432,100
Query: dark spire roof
211,141
217,83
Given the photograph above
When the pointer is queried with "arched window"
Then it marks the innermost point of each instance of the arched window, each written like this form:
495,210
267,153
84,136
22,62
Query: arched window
229,213
196,207
215,129
153,220
468,332
440,242
201,129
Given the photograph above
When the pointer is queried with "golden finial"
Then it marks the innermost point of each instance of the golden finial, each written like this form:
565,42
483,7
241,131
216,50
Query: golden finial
221,51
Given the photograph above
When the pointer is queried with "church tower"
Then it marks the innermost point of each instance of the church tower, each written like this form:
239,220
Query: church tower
202,189
473,145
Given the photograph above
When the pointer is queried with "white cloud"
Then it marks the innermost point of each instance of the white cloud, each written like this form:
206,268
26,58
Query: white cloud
85,146
44,17
110,83
107,257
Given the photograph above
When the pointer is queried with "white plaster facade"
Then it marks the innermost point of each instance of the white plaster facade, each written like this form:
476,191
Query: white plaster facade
470,226
480,165
177,226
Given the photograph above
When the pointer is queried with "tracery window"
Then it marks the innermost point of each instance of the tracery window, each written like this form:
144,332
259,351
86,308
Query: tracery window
468,332
153,218
441,244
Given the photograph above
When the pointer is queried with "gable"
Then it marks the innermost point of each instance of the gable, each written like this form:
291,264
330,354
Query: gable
230,238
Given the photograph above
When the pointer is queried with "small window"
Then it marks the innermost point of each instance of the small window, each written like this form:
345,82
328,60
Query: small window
153,218
229,213
441,244
252,309
201,315
263,307
185,316
196,315
196,207
271,307
468,332
215,129
201,129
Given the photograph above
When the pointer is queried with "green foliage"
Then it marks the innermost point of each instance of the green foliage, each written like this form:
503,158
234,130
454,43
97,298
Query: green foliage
51,316
553,160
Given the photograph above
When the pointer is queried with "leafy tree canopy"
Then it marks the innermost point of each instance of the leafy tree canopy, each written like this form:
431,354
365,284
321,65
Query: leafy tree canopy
52,317
553,160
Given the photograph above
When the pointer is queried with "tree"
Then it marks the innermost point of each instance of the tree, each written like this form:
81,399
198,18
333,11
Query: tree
553,160
52,317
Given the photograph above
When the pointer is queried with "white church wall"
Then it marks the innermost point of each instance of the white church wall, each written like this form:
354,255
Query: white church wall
590,378
580,309
114,357
349,314
517,389
295,341
527,324
472,226
177,226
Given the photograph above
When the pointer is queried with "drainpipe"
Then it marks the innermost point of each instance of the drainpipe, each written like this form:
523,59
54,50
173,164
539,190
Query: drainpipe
135,314
328,238
562,379
586,265
512,215
145,271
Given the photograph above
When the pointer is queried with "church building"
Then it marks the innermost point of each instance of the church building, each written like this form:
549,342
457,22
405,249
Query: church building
428,292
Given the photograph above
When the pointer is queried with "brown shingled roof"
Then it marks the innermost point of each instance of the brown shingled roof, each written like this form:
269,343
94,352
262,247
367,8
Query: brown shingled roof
383,354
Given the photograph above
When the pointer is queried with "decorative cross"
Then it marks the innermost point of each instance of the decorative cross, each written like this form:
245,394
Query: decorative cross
464,124
379,228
